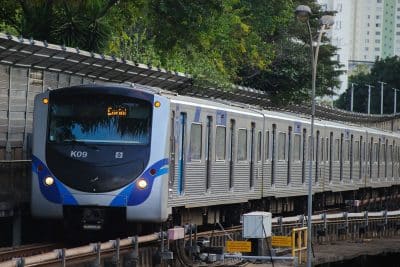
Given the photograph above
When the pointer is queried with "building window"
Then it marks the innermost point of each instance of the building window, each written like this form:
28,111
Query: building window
379,1
378,25
377,41
377,49
377,33
378,17
397,33
366,41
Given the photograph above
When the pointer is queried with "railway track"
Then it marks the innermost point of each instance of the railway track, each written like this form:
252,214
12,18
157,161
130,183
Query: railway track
26,251
116,251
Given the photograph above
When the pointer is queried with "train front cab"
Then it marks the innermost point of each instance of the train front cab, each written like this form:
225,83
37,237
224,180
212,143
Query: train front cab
86,175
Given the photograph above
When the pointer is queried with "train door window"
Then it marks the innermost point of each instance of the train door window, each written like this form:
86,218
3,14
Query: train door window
303,164
346,150
289,159
385,156
195,141
273,154
356,151
327,151
182,158
220,143
371,156
376,152
242,145
361,150
297,147
231,153
322,149
252,145
317,150
330,155
208,151
351,156
266,145
341,157
281,146
259,145
337,149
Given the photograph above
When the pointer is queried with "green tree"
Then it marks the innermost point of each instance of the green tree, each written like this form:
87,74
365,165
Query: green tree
385,70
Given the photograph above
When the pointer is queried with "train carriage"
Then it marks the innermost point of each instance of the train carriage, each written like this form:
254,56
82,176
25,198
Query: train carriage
142,153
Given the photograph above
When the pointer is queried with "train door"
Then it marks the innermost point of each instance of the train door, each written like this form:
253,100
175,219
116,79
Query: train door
181,153
172,143
208,152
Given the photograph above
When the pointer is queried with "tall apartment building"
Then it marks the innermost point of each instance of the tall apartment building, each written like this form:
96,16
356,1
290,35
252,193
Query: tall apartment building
364,30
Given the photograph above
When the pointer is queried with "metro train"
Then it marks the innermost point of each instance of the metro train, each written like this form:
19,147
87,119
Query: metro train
144,154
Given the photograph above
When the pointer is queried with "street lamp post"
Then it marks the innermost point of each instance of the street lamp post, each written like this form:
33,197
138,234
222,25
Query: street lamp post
382,83
369,98
303,13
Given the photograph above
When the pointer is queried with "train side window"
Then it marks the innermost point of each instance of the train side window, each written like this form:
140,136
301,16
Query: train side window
337,149
266,145
242,145
297,147
195,141
390,154
281,146
220,143
259,145
382,153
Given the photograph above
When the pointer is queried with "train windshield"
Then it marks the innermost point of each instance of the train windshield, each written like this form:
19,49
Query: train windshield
99,118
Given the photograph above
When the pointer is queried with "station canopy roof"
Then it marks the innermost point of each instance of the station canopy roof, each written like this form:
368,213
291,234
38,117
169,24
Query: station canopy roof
35,54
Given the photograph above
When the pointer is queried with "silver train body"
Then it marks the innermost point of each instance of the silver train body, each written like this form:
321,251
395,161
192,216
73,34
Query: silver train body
192,153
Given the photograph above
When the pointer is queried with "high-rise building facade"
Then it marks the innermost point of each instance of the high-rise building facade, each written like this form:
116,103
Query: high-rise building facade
364,30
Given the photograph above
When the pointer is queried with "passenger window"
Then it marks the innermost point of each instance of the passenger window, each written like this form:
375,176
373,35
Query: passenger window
220,143
297,147
382,153
281,146
242,145
195,141
390,153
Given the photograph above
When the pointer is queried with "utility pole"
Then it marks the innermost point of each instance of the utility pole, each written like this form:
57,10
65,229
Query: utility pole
369,98
382,83
352,96
395,101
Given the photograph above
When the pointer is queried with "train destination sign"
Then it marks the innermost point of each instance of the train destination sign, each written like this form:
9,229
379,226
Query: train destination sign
238,246
116,111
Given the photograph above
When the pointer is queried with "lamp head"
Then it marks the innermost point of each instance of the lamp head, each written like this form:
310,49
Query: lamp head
327,20
303,13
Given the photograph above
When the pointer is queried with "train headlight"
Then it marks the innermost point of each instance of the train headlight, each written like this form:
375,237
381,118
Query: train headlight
142,184
157,104
45,100
49,181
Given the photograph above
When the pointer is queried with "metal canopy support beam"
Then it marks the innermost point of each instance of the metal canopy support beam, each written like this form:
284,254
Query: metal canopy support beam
40,55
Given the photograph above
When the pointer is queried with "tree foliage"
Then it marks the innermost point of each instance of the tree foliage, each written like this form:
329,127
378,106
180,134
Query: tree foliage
385,70
250,42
